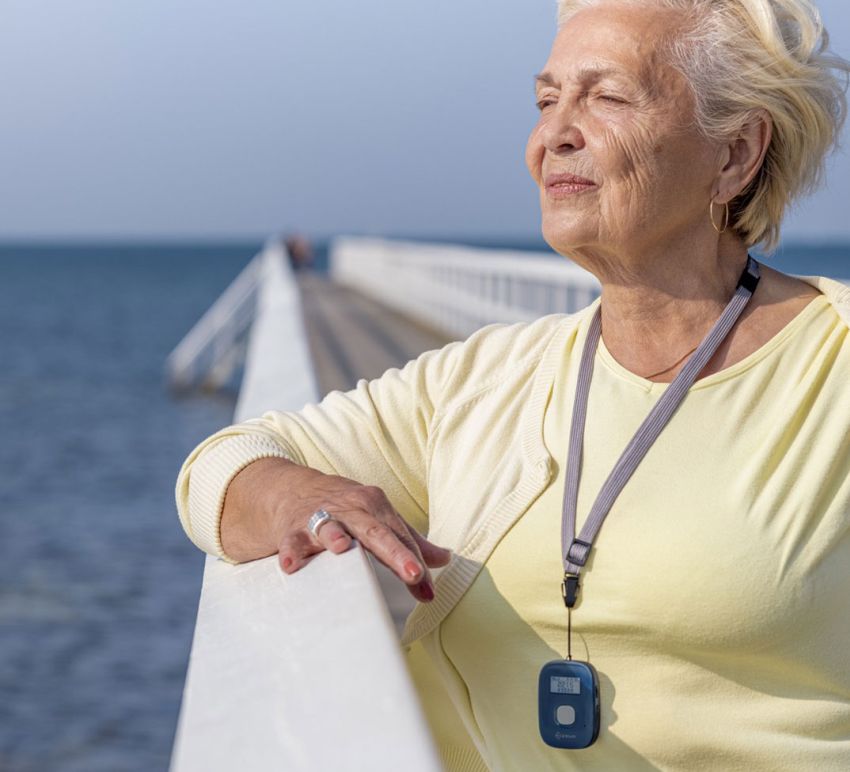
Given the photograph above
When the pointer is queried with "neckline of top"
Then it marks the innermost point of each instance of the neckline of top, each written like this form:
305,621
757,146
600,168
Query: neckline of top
818,304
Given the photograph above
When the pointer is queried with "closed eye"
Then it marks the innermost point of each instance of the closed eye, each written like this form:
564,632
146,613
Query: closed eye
611,98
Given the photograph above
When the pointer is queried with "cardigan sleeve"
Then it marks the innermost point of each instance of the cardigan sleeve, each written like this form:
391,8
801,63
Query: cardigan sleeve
377,433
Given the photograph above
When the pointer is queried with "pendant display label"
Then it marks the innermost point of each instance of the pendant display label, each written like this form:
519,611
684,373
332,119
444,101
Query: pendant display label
568,704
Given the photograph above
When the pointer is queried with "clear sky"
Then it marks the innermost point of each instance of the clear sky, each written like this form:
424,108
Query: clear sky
238,118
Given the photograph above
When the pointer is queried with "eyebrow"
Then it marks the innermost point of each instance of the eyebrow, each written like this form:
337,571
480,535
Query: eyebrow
545,77
588,73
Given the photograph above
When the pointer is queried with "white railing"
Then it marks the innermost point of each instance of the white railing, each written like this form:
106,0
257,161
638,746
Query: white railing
300,672
214,348
458,289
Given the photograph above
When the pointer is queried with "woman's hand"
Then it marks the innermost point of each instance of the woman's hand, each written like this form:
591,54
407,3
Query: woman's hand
269,502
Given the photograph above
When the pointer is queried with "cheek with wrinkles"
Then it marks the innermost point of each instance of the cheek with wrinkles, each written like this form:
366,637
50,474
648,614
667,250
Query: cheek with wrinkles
636,157
635,178
534,152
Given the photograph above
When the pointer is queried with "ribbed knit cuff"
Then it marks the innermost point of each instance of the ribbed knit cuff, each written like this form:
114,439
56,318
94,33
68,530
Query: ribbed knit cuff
459,759
209,477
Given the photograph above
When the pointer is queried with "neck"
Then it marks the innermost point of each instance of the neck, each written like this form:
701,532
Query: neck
656,309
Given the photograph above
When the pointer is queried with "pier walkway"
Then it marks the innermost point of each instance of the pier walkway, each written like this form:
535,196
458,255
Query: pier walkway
352,336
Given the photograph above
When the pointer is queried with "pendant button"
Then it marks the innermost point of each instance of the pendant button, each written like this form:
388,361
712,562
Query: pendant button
565,715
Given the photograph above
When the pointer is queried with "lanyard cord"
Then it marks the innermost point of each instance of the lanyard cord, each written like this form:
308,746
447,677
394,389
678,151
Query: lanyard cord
575,551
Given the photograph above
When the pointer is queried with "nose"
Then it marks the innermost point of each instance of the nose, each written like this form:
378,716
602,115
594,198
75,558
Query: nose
559,131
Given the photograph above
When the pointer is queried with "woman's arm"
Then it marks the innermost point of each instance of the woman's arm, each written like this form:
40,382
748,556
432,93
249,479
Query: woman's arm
248,491
268,504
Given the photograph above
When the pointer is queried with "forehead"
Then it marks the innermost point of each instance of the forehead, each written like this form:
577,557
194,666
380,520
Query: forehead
615,38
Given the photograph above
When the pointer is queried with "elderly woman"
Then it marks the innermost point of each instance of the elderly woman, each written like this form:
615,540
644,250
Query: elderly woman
674,459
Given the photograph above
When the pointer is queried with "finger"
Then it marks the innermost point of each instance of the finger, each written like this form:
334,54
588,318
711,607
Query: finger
333,536
423,589
384,543
385,534
387,546
296,549
434,556
380,526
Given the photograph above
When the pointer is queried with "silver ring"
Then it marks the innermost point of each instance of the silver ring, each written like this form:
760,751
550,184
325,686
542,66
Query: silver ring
317,520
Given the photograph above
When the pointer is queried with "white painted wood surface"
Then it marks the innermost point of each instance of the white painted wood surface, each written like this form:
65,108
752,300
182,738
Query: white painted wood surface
458,289
278,370
301,672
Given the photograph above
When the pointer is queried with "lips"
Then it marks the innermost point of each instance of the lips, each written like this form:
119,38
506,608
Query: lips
563,184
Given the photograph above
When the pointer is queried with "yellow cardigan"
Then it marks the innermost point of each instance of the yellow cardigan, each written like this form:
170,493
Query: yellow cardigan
409,432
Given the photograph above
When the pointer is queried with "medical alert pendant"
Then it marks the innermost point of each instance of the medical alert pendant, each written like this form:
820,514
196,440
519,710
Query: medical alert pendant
568,704
568,691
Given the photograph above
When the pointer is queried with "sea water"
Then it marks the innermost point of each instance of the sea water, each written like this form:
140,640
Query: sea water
98,583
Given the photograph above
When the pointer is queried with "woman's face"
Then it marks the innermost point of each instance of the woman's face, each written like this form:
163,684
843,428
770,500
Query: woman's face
620,164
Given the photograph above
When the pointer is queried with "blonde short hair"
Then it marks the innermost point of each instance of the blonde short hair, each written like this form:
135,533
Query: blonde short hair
741,56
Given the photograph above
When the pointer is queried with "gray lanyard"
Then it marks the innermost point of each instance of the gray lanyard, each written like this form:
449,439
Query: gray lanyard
575,550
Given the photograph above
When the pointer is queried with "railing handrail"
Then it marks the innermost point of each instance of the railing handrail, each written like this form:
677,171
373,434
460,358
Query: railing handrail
231,312
302,671
459,289
278,368
512,262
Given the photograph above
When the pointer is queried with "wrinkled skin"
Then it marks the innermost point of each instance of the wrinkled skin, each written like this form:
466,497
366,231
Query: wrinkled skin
616,112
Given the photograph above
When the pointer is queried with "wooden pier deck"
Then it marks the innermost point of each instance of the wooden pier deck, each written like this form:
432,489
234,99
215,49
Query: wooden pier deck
353,337
350,337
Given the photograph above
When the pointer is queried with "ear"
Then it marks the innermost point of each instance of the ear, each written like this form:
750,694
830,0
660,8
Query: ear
744,156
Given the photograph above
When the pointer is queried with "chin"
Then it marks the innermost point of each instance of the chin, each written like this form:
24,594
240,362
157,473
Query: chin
564,238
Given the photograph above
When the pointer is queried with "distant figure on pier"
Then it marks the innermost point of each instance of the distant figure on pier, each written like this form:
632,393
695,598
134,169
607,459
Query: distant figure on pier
646,503
300,251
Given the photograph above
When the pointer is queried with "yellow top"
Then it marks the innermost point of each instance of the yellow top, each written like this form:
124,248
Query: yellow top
715,603
456,441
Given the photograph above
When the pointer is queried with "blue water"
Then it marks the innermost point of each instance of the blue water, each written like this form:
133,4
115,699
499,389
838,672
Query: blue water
98,584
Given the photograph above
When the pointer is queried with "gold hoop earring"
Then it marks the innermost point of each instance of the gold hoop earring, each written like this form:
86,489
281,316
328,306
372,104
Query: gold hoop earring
725,217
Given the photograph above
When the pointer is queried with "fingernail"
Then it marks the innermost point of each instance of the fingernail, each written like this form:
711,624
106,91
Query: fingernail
411,569
287,562
427,590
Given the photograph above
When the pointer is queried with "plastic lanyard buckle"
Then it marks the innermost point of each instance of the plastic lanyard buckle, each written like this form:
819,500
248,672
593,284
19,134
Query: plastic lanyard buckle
569,589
